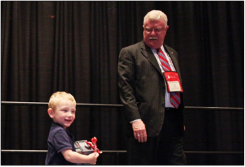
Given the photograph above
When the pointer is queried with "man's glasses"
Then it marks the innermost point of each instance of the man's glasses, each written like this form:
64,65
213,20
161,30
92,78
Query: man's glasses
150,30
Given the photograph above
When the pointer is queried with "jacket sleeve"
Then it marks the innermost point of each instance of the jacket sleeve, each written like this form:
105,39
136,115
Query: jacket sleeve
126,83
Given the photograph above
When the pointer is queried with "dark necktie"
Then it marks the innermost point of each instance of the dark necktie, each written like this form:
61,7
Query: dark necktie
174,97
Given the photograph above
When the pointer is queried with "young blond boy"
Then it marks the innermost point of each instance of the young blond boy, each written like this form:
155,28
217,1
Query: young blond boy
61,151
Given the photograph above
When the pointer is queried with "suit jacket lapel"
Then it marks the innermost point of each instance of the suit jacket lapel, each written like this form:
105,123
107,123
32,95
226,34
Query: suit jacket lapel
146,51
174,60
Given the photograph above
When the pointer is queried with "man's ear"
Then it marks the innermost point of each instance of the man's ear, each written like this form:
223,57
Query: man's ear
167,28
51,112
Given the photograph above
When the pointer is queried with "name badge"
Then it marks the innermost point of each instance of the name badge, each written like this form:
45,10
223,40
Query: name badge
173,81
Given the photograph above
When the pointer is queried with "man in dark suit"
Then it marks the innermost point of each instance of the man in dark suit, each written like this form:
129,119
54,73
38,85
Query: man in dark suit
154,125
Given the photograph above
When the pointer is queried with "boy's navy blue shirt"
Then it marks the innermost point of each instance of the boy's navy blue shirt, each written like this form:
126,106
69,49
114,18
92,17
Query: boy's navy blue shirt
59,139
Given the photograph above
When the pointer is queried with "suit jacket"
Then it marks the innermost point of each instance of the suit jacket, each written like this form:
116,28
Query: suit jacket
142,88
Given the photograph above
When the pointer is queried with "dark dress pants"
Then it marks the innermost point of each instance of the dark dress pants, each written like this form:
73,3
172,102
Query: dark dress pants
165,149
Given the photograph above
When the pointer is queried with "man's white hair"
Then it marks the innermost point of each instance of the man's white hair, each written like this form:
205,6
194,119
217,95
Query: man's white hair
155,15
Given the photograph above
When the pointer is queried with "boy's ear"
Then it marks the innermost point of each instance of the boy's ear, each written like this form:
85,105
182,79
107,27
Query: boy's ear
50,112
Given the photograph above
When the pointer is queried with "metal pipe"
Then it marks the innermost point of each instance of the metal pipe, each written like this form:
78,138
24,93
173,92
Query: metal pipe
124,151
116,105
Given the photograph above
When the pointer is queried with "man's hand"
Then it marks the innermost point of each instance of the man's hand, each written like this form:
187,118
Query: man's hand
139,131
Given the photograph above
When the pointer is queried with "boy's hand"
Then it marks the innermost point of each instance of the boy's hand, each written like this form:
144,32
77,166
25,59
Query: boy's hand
93,158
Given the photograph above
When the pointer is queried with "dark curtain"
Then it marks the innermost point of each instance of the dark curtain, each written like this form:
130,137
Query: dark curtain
74,46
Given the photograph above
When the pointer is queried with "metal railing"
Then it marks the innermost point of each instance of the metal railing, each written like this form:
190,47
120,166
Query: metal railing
120,105
116,105
124,151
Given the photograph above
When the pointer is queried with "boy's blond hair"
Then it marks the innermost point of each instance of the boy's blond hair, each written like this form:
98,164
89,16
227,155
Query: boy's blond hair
57,96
